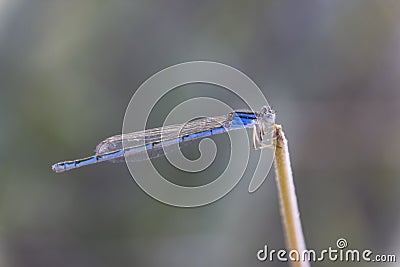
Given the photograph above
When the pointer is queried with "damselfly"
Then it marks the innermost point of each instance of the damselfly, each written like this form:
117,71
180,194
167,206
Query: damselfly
155,142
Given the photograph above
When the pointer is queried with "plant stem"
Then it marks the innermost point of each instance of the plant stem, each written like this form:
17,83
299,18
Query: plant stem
287,198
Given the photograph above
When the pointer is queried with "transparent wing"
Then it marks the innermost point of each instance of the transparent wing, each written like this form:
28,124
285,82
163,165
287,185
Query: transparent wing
159,140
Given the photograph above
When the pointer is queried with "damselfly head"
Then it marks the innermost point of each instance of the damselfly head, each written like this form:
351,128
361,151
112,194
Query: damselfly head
267,115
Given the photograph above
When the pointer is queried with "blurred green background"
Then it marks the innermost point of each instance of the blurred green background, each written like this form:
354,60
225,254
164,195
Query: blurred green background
68,69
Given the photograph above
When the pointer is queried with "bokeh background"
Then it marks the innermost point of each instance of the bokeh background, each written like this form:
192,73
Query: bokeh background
68,69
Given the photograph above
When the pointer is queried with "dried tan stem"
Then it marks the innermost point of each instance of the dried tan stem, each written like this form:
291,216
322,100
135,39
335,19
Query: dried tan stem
287,198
